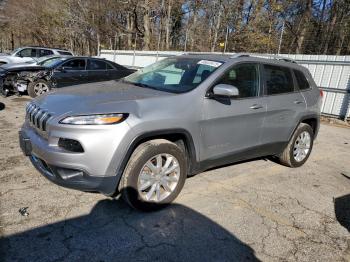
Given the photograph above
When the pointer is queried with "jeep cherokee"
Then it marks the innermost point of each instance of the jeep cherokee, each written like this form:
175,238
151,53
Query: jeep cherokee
142,136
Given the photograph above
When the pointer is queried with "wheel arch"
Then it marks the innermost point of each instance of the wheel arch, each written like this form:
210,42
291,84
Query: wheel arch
181,137
312,120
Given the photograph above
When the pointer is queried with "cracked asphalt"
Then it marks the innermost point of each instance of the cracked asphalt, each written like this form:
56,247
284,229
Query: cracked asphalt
251,211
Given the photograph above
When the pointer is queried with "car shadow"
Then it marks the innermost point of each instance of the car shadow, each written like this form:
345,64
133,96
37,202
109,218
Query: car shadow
114,232
342,210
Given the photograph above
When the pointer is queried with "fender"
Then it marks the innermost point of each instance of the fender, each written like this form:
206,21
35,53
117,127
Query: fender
189,144
306,117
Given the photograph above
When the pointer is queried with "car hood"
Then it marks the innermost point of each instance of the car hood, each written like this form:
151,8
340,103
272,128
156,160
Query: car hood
22,67
19,65
102,97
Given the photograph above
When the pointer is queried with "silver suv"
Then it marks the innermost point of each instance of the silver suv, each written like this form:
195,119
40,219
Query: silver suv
30,53
142,136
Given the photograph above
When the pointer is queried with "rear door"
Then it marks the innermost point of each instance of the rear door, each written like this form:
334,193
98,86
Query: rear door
71,72
116,71
97,70
285,104
232,126
44,52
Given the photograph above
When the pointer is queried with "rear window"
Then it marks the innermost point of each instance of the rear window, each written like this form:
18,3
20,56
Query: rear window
278,80
65,53
301,80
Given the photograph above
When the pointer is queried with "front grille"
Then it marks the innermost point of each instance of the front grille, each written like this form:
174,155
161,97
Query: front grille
37,117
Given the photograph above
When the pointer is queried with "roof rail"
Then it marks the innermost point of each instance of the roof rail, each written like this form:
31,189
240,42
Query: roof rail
38,46
268,56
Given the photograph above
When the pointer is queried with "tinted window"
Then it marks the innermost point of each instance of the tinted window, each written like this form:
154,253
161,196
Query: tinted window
109,67
97,65
65,53
278,80
28,52
45,52
301,80
75,64
245,77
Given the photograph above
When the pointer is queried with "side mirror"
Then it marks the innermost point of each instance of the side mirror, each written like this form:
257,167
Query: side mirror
61,69
225,90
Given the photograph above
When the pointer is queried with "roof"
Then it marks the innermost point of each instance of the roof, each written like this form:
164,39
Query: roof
214,57
46,47
263,58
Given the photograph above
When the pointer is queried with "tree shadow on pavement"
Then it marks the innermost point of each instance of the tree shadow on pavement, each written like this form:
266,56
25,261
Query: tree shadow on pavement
2,106
114,232
342,210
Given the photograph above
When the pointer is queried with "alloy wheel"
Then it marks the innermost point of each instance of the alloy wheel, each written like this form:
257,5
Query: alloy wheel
302,146
41,88
158,178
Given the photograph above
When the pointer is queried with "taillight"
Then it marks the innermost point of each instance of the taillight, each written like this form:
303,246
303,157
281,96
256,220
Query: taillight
321,92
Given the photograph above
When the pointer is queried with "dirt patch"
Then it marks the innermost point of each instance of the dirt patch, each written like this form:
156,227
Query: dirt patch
21,99
334,122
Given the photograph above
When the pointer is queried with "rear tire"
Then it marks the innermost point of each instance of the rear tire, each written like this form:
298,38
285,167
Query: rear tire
145,184
299,147
38,88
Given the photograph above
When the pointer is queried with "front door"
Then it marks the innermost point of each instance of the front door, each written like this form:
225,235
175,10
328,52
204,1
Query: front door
72,72
232,126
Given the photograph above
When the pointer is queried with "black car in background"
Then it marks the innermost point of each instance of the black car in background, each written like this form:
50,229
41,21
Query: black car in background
9,72
65,71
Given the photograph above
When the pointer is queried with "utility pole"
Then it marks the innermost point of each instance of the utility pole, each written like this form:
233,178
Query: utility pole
115,46
186,35
134,57
281,38
160,29
226,39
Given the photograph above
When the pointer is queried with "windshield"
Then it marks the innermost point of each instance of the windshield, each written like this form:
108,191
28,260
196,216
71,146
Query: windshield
176,74
15,51
51,61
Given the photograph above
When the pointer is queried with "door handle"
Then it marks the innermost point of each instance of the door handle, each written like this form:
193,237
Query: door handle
298,102
256,106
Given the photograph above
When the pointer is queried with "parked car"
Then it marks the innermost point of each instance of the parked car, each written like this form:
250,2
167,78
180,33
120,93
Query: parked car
142,136
9,72
29,53
68,71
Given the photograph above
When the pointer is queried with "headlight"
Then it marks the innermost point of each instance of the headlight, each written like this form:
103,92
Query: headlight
106,119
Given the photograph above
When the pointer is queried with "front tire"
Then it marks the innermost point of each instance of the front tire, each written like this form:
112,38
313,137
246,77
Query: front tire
299,147
38,88
154,176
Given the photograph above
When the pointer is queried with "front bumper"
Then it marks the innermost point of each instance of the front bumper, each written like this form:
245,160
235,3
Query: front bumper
75,179
94,170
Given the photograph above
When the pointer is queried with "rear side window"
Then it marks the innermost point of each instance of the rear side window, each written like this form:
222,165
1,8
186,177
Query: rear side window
45,52
65,53
278,80
97,65
301,80
109,67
